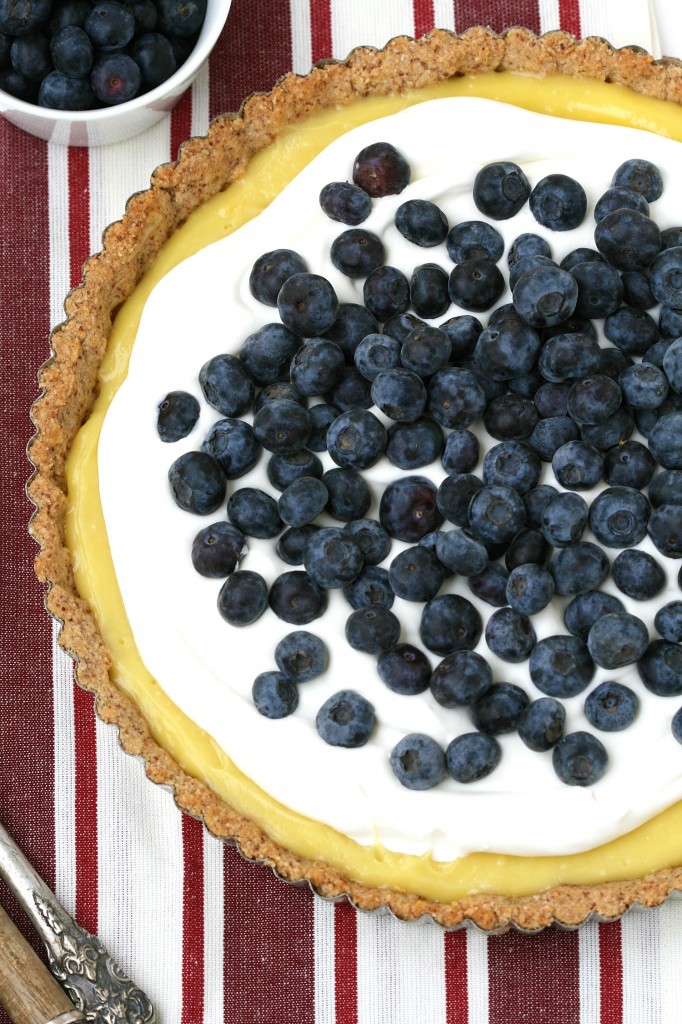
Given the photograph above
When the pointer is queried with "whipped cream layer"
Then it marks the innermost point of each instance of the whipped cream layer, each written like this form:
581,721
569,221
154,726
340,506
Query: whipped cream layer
204,307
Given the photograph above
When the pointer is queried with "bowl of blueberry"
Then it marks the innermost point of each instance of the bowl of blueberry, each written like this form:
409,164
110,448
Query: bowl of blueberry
91,72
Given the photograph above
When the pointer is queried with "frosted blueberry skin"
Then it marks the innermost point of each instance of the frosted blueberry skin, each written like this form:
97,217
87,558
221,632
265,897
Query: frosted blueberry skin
197,483
558,202
564,519
425,350
371,588
302,501
227,385
414,445
376,353
474,239
296,598
567,356
404,669
600,289
580,759
284,470
496,514
291,543
637,574
178,414
668,621
528,545
450,623
541,724
550,434
472,756
356,439
677,725
665,530
400,394
455,397
421,222
545,296
460,679
530,588
349,495
500,190
282,426
611,707
585,609
353,323
628,239
274,695
510,418
461,554
578,568
577,466
561,666
342,201
619,517
386,292
617,639
346,719
417,574
660,668
357,252
271,270
373,630
418,761
476,285
629,464
510,635
243,598
641,175
499,710
664,441
267,353
619,197
333,558
490,585
301,656
307,304
254,512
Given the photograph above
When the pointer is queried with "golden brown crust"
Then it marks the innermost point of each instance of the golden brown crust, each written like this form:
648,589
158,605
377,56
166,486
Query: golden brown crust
69,383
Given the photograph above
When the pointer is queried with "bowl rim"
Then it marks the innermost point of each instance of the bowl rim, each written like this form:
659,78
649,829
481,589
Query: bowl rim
214,22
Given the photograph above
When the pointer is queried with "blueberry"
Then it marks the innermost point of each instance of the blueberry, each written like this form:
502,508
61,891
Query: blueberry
672,366
353,391
386,292
645,386
617,639
670,321
333,557
181,17
460,679
561,666
476,284
267,353
463,332
416,574
660,668
153,53
619,517
301,656
578,568
302,501
282,426
490,585
530,588
510,635
356,439
178,413
677,725
550,434
380,170
620,198
197,483
541,724
629,464
429,293
564,518
296,598
408,509
511,464
507,350
69,12
20,18
461,554
633,331
271,270
455,397
274,695
342,201
418,761
455,494
376,353
421,222
371,588
558,202
474,240
599,289
404,669
640,175
545,296
567,356
372,630
535,501
611,707
291,544
373,539
637,287
578,466
72,52
276,392
425,350
284,470
307,304
217,550
615,429
666,488
357,252
31,57
614,361
413,445
668,621
254,513
58,92
472,756
496,514
461,451
499,710
353,323
399,326
580,759
593,399
243,597
346,719
628,239
110,25
510,418
528,546
226,385
665,530
349,495
146,15
500,190
321,418
664,441
583,254
450,623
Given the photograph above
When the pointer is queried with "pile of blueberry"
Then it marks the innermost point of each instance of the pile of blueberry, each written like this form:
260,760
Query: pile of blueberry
80,55
545,390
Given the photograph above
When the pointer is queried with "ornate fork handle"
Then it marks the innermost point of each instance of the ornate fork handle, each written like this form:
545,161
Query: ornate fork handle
87,972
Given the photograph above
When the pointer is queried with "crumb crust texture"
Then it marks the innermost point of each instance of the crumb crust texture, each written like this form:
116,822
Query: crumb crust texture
68,383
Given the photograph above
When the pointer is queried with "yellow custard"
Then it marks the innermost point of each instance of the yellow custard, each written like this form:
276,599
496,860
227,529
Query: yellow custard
650,847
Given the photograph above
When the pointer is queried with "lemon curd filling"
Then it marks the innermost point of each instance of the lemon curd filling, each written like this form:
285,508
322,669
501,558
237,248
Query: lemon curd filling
652,846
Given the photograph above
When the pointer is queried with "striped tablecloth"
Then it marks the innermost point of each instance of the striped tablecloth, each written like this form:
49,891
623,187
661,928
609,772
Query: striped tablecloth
207,936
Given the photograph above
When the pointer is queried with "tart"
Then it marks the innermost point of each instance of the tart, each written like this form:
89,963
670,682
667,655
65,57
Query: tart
160,227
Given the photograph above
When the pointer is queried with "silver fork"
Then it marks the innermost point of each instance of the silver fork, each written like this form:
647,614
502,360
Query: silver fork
86,971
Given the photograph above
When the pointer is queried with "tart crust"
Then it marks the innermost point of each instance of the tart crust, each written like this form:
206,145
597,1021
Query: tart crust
69,383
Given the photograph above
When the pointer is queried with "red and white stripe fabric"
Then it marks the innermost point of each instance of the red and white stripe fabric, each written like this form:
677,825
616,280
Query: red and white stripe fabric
210,938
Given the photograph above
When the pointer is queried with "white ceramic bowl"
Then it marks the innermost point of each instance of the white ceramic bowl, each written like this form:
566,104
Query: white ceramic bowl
112,124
